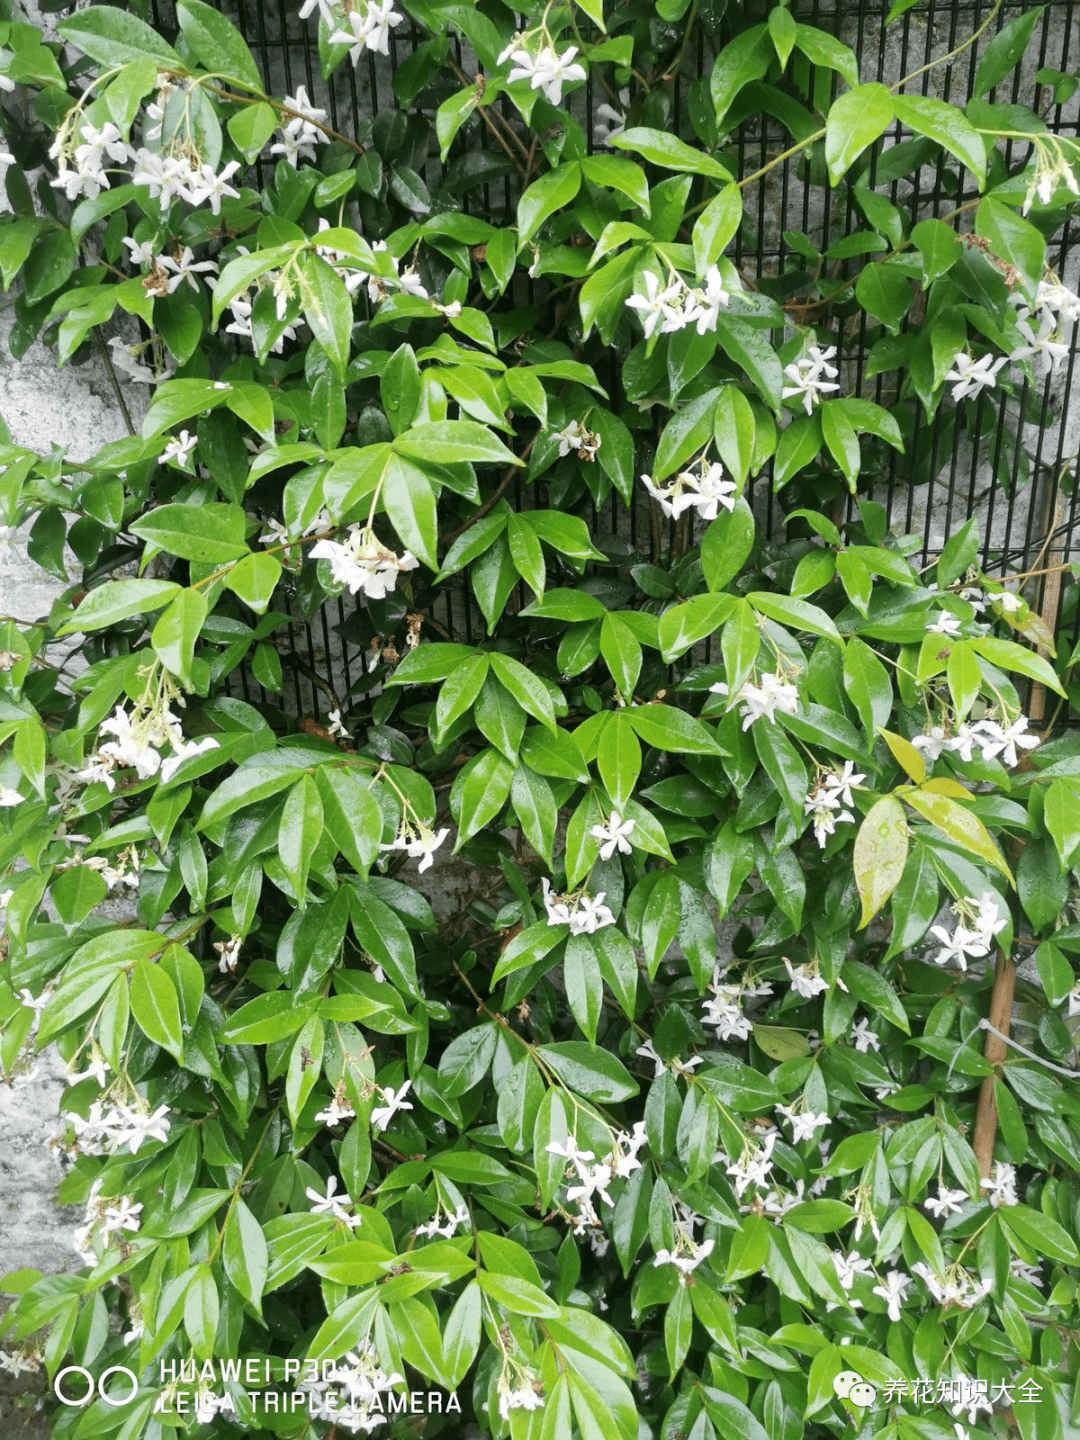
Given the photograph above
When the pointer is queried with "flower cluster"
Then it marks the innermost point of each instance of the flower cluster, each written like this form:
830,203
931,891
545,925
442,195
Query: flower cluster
302,132
103,1219
370,25
106,1131
675,306
137,737
363,563
829,798
725,1010
811,376
574,439
418,841
705,491
771,695
584,913
988,736
350,1393
594,1177
979,921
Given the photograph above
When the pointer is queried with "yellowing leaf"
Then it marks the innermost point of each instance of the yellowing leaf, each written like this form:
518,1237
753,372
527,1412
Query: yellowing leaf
881,848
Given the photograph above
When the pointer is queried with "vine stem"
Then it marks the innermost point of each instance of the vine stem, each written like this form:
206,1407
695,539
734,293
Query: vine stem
258,99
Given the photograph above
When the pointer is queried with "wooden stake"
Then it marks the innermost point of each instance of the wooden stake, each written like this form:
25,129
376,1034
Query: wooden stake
986,1117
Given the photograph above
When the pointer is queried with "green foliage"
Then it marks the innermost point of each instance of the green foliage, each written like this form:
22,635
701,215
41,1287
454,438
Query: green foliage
741,823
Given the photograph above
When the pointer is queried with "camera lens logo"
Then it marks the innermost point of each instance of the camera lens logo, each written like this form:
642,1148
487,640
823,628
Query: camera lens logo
850,1386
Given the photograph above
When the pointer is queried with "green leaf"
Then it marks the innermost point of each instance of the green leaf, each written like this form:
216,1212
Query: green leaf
622,653
115,37
518,1296
674,730
461,1334
175,634
527,689
299,832
267,1018
156,1008
201,1305
553,191
885,293
1042,1233
881,848
409,500
823,49
1005,49
743,60
799,614
244,1248
614,173
939,245
1061,816
947,126
749,349
593,1073
669,152
117,600
479,792
694,620
534,804
868,686
716,227
1012,239
689,430
327,308
454,442
429,663
216,42
959,825
1007,655
798,446
212,534
618,758
855,120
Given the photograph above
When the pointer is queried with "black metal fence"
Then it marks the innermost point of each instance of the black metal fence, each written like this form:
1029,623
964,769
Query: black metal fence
1022,487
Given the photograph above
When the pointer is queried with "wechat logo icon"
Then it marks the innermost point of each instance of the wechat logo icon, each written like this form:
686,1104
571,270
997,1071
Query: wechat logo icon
850,1386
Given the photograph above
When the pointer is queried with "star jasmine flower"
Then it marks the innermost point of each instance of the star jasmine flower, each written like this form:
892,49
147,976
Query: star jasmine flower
685,1261
863,1038
179,449
971,376
395,1100
893,1290
805,980
946,1202
362,562
614,836
331,1203
806,379
1003,741
574,438
335,1112
609,122
704,305
945,624
1002,1187
419,842
185,268
765,699
657,307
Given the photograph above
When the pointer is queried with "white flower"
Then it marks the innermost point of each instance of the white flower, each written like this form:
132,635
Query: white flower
1074,1000
326,11
124,1215
972,377
370,28
806,375
136,1126
1002,1187
363,563
933,743
648,1052
179,449
703,305
141,251
850,1266
575,438
335,1112
10,797
1008,602
609,122
334,724
419,843
946,1202
658,307
765,699
207,184
963,944
331,1203
1022,1271
614,835
395,1100
185,268
558,911
229,952
526,1394
803,1124
547,70
1003,741
685,1261
705,492
863,1038
945,624
1049,350
893,1291
590,915
805,980
1055,298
